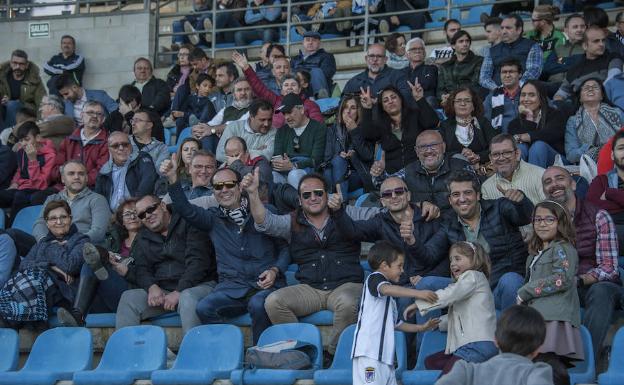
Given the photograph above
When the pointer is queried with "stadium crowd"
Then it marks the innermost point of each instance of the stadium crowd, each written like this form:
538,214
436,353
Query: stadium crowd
470,161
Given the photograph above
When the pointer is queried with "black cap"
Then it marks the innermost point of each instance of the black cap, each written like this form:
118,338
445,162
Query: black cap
313,34
288,102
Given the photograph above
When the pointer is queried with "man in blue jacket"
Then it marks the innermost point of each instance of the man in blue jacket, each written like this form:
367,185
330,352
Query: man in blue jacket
320,63
76,96
67,61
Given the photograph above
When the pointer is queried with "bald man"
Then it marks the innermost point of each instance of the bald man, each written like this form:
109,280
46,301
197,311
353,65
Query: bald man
127,173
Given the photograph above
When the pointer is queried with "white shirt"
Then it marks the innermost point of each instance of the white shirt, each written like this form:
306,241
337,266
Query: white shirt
78,107
86,139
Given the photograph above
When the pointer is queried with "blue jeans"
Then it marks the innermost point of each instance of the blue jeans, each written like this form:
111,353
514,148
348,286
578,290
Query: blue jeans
108,292
538,153
178,26
224,20
8,252
210,142
601,300
336,173
479,351
506,290
218,306
267,35
293,176
318,81
10,111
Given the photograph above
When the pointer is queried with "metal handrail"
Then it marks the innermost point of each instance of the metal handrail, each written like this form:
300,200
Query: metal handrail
9,5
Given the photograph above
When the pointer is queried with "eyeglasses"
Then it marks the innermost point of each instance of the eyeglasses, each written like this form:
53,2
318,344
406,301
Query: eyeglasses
120,145
129,215
375,57
61,219
317,193
94,113
590,88
399,191
137,120
425,147
296,145
148,211
204,167
504,154
416,50
463,101
220,185
549,220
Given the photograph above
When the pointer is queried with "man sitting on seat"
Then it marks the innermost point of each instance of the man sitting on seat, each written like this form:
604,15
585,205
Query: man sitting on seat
76,97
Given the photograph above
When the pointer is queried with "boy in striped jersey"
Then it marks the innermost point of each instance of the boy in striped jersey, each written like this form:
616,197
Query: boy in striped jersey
373,344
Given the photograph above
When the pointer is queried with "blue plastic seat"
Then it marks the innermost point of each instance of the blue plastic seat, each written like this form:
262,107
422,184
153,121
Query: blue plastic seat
433,342
221,348
9,349
185,133
360,200
167,320
299,331
323,317
327,104
474,15
1,219
615,373
26,217
584,372
55,356
131,353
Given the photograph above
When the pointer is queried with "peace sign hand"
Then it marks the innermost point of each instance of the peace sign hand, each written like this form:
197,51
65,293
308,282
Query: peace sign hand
417,91
366,98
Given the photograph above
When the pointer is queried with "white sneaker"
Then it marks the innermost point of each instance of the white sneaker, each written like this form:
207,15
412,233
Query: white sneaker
384,27
208,29
171,357
193,37
319,18
299,28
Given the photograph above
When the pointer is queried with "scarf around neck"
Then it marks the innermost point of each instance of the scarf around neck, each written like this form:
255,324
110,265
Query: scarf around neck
238,215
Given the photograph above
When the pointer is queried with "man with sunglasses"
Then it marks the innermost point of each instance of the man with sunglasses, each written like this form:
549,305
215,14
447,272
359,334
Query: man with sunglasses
175,267
599,282
251,265
329,269
512,171
128,173
494,224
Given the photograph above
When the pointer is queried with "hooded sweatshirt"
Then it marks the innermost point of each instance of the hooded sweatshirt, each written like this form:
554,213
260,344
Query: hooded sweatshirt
35,174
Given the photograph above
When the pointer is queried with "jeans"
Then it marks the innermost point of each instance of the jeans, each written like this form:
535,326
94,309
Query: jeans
218,306
479,351
293,176
8,252
506,290
210,142
288,303
538,153
318,81
10,110
178,26
133,307
337,172
109,291
224,20
267,35
601,300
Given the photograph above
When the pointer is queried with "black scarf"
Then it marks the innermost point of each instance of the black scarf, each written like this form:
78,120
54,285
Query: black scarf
238,215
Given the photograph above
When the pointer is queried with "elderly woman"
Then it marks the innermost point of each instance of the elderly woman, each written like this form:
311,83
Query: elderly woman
395,51
395,124
108,271
46,276
595,122
538,129
466,132
347,155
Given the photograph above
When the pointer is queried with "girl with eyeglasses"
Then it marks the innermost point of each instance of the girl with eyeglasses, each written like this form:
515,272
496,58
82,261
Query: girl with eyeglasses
47,275
594,123
539,129
550,286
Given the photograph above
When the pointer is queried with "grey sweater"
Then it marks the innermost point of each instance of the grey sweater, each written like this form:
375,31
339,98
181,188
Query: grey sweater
505,368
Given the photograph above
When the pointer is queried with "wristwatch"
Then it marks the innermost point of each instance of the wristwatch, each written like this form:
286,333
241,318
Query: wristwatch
517,138
213,131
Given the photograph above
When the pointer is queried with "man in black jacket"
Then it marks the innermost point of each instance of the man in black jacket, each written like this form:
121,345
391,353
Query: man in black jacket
175,267
9,164
154,91
127,173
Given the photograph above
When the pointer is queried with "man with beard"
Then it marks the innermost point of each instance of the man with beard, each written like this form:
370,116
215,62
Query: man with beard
378,75
238,110
512,171
20,86
598,280
462,70
90,211
203,167
76,96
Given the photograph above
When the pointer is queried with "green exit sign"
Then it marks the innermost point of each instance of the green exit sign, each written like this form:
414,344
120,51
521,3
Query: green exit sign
38,30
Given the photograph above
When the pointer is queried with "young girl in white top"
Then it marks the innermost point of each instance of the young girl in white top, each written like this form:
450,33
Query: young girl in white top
471,319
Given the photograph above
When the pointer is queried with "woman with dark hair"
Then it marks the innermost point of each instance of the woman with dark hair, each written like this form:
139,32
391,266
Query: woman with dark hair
46,277
466,132
395,51
178,74
268,53
395,124
347,155
594,123
108,271
185,154
539,129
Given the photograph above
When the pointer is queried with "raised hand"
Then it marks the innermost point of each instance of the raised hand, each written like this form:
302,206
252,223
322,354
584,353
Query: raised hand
426,295
511,194
406,229
240,60
431,324
379,166
417,91
251,181
334,201
429,211
366,98
169,168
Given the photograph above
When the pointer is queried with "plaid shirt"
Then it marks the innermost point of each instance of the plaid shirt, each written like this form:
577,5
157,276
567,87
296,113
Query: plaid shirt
532,68
606,249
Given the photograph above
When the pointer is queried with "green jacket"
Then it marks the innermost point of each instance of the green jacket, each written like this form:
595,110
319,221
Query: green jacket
311,144
453,74
550,285
548,44
32,90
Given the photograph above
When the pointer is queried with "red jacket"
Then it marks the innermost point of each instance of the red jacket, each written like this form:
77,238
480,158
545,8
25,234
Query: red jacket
94,154
35,174
312,109
605,163
613,201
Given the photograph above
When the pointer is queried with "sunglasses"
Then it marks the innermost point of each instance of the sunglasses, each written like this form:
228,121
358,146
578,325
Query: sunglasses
399,191
296,145
308,194
148,211
220,185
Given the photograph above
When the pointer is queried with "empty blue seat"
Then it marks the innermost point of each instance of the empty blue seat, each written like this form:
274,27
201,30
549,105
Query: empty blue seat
328,104
299,331
221,348
474,15
584,372
26,217
55,356
615,373
9,349
131,353
433,342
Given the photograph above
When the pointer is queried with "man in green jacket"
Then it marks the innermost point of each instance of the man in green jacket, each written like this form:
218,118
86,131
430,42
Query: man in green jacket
20,86
299,144
462,70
